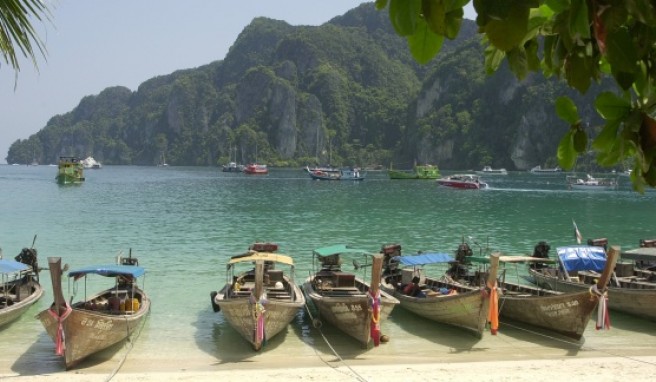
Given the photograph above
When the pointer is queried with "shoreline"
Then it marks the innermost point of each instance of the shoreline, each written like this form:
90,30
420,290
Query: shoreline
580,369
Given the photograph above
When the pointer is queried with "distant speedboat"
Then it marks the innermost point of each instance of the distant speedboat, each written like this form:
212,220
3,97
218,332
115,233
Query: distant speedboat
462,181
91,163
487,170
591,184
256,169
232,167
538,170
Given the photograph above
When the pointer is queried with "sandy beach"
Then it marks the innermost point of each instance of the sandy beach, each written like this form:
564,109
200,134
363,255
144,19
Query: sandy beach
571,369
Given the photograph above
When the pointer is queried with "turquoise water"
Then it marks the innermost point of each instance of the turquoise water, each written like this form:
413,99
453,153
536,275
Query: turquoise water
183,223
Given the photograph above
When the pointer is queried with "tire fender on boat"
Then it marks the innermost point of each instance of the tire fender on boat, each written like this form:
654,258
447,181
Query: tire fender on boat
215,306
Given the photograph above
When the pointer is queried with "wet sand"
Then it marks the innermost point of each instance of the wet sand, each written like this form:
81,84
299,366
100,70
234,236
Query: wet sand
418,350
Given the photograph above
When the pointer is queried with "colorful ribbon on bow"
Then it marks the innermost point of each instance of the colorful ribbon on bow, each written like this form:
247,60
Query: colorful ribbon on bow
60,341
493,312
374,306
603,315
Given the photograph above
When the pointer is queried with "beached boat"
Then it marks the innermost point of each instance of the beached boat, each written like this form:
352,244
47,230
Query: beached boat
232,167
487,170
70,171
80,329
538,170
564,313
256,169
462,181
90,163
580,267
591,184
345,301
261,300
336,174
20,287
447,298
426,171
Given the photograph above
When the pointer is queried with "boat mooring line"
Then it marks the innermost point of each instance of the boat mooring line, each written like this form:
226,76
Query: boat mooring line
581,346
129,344
318,327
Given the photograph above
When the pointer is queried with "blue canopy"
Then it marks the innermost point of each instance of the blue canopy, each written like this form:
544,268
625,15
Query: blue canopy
425,258
582,258
111,270
10,266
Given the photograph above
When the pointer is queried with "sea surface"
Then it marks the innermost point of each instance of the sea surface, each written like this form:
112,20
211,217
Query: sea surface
183,223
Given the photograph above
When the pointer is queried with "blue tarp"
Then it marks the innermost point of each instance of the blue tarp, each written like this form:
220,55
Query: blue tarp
111,270
582,258
425,258
10,266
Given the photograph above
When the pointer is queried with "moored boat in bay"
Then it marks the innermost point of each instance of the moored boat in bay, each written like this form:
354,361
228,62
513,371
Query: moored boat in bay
261,300
94,323
447,298
20,287
350,304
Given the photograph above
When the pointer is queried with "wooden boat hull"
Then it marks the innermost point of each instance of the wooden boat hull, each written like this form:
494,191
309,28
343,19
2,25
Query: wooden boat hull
349,313
13,312
638,299
567,314
87,332
241,314
467,309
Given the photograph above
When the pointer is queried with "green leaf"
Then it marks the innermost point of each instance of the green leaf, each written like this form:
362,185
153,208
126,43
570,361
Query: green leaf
453,22
424,44
518,62
493,58
621,51
507,33
381,4
566,153
580,140
577,72
566,110
607,137
404,15
611,107
579,22
532,58
434,14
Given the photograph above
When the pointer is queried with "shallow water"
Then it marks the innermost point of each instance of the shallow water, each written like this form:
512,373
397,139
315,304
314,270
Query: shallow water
183,223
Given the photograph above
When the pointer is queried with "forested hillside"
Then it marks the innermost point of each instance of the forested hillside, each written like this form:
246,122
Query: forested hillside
346,92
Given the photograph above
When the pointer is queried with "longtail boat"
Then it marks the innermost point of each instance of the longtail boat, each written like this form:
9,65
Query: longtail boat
580,267
447,298
95,322
20,287
350,304
564,313
262,300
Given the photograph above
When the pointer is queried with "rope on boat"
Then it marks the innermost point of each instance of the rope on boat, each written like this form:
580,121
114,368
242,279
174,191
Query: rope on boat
129,344
316,322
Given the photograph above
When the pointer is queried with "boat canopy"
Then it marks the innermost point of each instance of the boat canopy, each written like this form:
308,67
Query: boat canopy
111,270
640,254
10,266
338,249
266,256
511,259
582,258
425,258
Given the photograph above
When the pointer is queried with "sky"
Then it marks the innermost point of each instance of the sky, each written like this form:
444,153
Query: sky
95,44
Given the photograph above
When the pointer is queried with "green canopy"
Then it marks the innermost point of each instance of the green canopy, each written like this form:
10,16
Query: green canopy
338,249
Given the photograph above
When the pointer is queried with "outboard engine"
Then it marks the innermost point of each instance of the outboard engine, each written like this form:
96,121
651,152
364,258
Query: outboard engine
541,251
28,256
390,251
602,242
463,252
